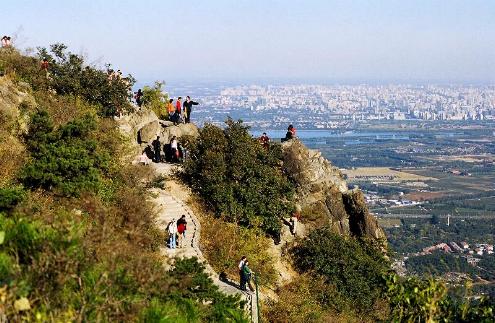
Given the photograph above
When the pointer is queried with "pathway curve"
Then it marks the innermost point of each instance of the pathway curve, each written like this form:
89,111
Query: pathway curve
173,206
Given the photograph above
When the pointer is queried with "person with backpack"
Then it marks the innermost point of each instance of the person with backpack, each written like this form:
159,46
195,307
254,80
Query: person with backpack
172,233
181,229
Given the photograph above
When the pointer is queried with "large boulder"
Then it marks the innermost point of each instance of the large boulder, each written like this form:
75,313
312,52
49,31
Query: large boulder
149,132
181,130
322,192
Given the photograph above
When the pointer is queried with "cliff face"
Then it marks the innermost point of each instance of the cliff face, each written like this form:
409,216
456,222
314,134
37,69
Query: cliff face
322,190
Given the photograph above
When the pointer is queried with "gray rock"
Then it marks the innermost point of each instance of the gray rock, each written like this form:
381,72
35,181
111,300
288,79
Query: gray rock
323,192
149,132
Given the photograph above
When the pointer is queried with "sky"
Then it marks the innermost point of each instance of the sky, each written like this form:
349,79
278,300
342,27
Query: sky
342,41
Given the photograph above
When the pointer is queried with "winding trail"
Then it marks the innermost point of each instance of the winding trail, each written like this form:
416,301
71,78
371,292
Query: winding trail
172,205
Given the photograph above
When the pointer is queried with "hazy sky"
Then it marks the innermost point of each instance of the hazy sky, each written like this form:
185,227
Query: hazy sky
400,40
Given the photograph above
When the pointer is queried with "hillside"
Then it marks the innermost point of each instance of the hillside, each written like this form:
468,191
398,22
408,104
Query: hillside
82,225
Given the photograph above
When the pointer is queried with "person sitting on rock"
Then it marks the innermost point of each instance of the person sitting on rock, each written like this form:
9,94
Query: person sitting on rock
291,133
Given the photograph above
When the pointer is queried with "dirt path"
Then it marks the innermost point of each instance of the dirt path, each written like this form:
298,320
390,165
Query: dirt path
171,202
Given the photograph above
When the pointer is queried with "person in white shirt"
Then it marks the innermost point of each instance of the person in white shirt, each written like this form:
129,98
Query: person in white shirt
174,145
172,231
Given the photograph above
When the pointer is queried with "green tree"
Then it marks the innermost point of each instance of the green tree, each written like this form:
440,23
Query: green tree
238,178
67,160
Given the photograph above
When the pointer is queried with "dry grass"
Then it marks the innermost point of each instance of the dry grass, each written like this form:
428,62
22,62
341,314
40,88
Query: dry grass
223,244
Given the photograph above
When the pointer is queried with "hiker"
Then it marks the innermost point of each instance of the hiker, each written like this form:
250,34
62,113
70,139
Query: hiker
174,149
170,109
156,149
44,66
181,229
178,105
291,133
242,283
265,140
6,41
294,219
172,232
138,96
247,273
143,159
188,108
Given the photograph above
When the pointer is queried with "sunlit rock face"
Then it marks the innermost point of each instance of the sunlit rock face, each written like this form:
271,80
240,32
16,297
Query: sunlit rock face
322,190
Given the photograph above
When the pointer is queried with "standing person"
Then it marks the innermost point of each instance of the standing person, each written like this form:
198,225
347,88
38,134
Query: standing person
181,229
175,149
242,282
156,149
44,66
170,109
295,219
188,108
138,96
172,232
265,140
178,105
248,273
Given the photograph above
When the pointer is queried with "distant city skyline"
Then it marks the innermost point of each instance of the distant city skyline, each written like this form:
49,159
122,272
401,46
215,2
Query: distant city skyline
422,41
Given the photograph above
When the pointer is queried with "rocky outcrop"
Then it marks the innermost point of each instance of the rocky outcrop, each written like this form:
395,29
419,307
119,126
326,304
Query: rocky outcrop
323,194
143,127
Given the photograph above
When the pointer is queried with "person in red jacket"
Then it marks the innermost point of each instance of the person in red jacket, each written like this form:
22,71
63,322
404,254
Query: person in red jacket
178,105
181,230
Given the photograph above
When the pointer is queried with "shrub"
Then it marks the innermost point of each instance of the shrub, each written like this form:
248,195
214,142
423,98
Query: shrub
68,74
241,181
155,99
10,197
353,267
67,159
225,243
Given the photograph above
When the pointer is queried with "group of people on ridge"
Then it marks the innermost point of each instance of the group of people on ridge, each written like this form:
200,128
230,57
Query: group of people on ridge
180,111
177,232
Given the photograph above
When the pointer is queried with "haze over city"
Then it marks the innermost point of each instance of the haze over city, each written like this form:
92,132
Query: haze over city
339,41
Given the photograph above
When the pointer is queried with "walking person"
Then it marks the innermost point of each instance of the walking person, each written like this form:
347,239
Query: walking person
181,229
247,273
172,233
242,282
188,108
156,149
